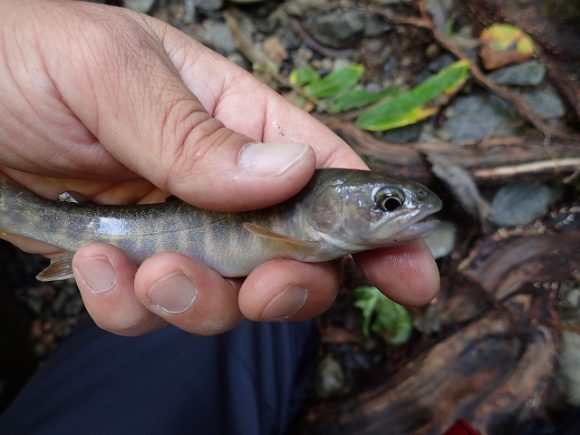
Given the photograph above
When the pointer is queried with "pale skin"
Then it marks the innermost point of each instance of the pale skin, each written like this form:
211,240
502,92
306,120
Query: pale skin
125,109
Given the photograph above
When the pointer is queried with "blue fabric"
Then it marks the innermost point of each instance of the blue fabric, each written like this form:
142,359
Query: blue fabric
248,381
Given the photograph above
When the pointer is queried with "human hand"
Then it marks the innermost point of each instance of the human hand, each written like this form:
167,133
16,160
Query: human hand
126,109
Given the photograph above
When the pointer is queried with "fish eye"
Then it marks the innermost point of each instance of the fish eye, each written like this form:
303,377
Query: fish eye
389,199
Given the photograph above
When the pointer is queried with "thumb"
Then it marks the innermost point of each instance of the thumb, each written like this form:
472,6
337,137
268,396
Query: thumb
148,119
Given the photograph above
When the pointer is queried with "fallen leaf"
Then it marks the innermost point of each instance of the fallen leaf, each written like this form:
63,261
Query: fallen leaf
418,103
302,76
357,98
335,82
504,44
274,49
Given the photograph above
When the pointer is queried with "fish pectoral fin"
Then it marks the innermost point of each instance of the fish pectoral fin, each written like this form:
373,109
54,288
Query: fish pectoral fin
303,245
60,267
74,197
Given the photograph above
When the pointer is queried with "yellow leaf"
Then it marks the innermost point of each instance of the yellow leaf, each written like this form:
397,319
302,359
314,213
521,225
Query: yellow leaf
504,44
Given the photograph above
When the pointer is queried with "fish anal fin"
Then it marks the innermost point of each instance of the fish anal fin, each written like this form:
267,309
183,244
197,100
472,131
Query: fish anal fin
305,246
74,197
60,267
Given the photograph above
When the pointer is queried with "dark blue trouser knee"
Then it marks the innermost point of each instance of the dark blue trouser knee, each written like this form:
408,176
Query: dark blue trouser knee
247,381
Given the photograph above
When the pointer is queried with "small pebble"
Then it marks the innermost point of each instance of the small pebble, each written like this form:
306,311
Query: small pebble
330,377
142,6
442,241
520,203
530,73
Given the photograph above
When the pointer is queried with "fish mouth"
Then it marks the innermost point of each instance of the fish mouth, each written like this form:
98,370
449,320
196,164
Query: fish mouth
418,230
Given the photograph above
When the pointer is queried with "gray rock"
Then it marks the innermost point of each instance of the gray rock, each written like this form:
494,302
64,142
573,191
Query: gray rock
439,63
544,102
442,241
569,306
143,6
219,37
375,26
572,298
569,362
302,57
239,60
477,116
520,203
529,73
406,134
208,6
389,2
340,63
330,377
337,29
289,39
300,8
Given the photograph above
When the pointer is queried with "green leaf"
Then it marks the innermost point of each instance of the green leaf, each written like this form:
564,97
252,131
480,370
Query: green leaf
335,82
449,26
383,316
357,98
411,107
304,75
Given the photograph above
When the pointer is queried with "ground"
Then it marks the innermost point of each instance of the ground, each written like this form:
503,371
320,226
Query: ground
499,144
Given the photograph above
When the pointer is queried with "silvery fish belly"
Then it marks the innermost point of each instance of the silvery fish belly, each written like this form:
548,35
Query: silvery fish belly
339,212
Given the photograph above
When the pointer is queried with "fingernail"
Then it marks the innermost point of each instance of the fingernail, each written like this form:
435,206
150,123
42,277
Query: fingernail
287,303
174,293
98,273
271,158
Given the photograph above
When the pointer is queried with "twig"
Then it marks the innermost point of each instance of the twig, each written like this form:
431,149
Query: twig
529,168
573,176
312,43
244,43
510,155
261,62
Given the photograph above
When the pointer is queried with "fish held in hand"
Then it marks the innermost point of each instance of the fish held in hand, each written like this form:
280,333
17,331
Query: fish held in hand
339,212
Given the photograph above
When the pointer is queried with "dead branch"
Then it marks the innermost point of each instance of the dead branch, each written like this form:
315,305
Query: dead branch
525,156
558,166
466,375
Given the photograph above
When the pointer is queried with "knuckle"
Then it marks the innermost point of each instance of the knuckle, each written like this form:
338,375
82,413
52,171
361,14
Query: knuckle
189,137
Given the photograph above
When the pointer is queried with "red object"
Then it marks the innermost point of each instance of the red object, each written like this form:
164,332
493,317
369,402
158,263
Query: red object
461,427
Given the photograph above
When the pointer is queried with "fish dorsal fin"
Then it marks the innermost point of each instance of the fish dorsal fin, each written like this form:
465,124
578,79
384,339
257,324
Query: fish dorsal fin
74,197
303,245
60,267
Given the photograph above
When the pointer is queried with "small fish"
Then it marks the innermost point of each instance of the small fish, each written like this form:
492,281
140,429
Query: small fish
339,212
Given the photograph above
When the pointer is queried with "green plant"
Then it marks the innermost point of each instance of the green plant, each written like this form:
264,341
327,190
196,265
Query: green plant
382,316
340,91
